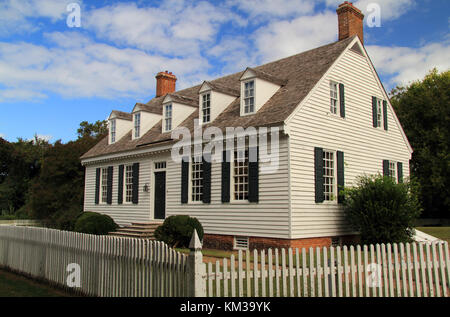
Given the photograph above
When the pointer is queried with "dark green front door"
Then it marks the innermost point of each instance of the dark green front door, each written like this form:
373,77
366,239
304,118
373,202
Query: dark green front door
160,195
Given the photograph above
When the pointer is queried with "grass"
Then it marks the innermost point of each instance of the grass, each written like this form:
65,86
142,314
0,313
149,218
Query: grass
442,233
13,285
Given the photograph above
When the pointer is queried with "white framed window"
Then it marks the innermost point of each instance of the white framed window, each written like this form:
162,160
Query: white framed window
160,165
240,175
104,184
197,179
113,130
249,97
128,183
137,125
168,117
241,243
379,113
206,108
333,97
329,175
393,171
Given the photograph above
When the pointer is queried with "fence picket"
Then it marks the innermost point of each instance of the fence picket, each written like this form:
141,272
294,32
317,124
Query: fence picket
326,272
304,273
263,273
225,277
442,266
332,273
346,273
283,272
429,265
435,269
311,272
270,272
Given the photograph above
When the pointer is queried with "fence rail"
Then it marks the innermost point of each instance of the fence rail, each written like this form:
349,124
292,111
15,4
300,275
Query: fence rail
114,266
108,266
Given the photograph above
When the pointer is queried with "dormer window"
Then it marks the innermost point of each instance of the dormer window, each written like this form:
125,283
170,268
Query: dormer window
206,108
113,130
137,125
249,97
168,117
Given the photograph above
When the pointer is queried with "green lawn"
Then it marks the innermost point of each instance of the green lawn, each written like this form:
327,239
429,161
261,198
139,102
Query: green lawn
442,233
13,285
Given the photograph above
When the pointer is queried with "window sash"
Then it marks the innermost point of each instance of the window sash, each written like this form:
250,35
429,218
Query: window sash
329,175
249,97
128,183
333,97
240,174
104,185
197,179
168,117
137,125
113,131
206,108
379,112
393,171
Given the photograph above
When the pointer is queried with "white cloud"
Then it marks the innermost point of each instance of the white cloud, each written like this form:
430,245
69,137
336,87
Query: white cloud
266,9
15,15
2,135
390,9
75,66
284,38
405,64
44,137
179,28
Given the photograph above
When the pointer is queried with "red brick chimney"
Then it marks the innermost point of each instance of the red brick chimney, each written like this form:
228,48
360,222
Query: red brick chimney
350,21
165,83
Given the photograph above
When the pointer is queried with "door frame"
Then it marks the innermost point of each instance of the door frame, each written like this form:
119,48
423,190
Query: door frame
152,196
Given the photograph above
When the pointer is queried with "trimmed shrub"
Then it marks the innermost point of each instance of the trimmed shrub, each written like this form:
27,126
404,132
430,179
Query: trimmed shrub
381,210
95,223
177,231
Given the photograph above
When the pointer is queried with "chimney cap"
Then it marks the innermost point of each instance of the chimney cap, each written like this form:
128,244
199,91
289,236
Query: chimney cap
166,74
349,5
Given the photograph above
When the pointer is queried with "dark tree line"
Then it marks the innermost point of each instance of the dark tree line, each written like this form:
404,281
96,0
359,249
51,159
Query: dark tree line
46,181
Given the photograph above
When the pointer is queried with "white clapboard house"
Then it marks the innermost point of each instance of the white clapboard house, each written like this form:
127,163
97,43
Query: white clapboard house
335,123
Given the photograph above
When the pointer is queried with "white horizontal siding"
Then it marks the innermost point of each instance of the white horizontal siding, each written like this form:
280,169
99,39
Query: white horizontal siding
268,218
364,147
126,213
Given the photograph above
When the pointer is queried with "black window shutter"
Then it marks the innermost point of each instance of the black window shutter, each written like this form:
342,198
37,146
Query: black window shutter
253,176
120,186
206,179
184,180
340,175
342,99
135,190
109,185
400,172
385,115
226,177
374,111
385,167
97,185
318,174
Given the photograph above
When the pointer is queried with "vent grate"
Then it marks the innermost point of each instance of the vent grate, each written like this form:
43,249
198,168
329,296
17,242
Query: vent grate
241,243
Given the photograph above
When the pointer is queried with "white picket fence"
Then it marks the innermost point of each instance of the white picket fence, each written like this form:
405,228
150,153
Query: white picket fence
109,266
395,270
113,266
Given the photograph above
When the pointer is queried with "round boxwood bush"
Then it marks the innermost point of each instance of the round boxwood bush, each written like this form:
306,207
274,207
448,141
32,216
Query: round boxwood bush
95,223
381,210
177,231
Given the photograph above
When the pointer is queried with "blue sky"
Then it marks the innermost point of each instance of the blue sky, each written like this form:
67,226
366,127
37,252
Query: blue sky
52,76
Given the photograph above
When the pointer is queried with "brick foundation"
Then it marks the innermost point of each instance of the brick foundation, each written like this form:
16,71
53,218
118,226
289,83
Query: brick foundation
226,242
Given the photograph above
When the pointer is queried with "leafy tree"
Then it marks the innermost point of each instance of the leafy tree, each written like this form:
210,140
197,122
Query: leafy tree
20,163
95,130
56,196
423,109
381,210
